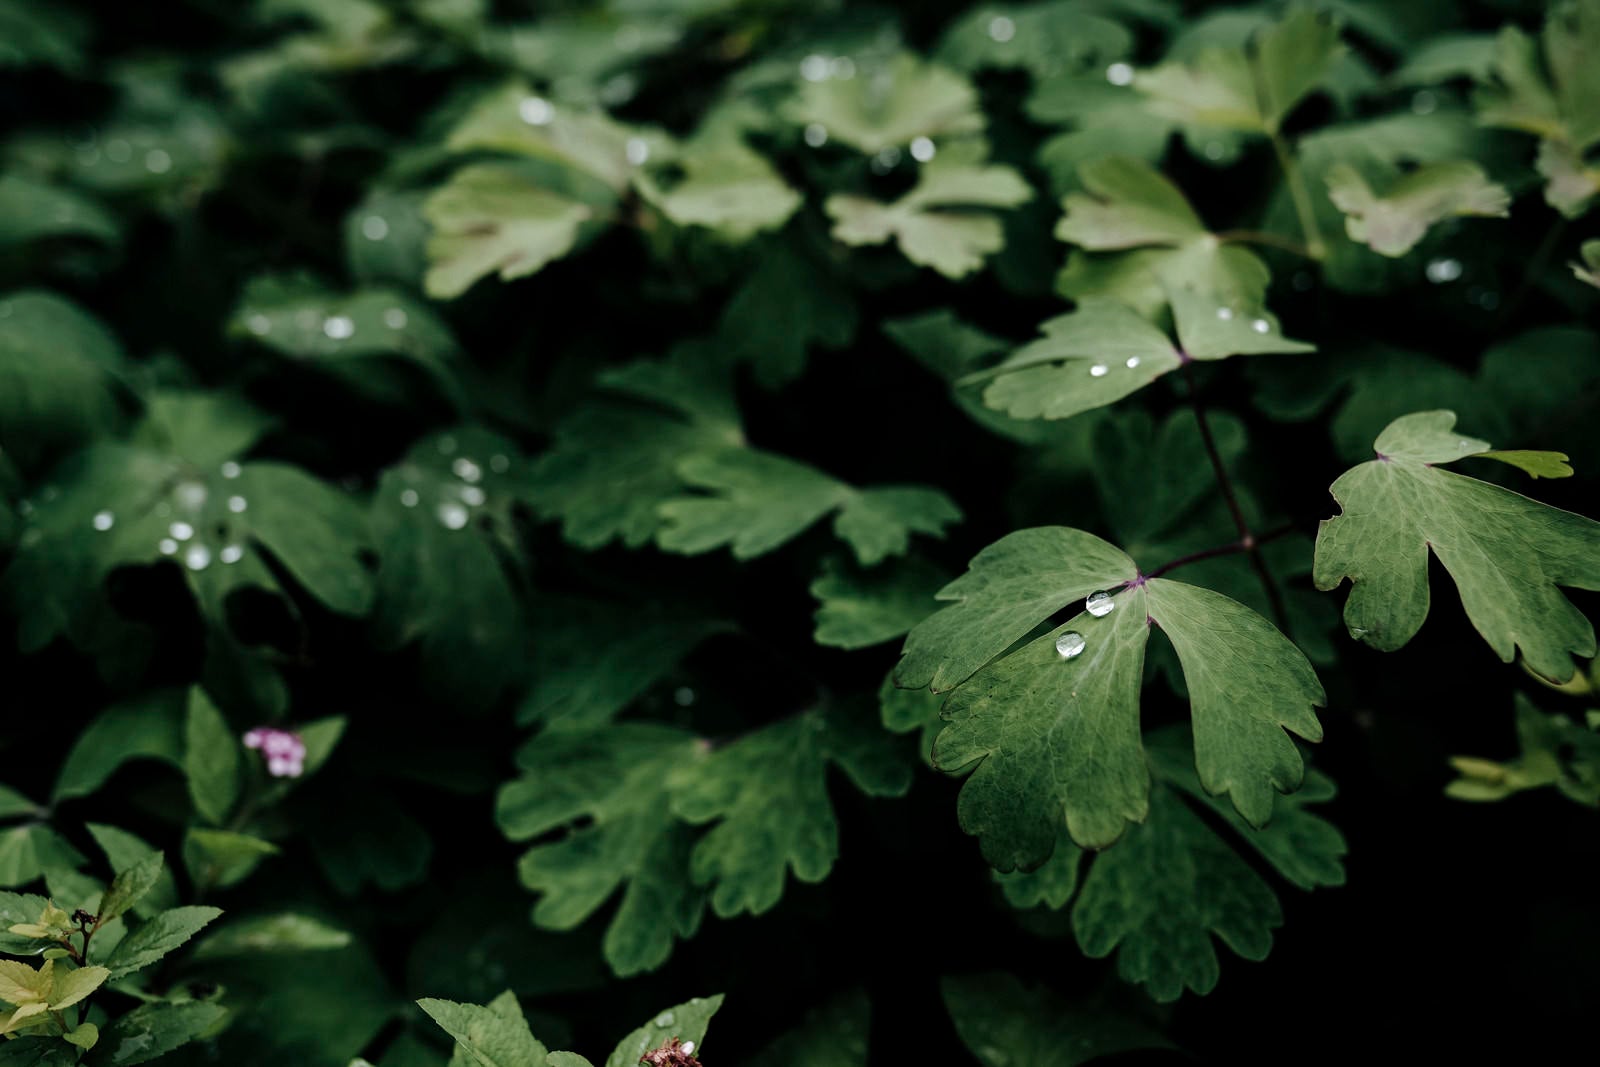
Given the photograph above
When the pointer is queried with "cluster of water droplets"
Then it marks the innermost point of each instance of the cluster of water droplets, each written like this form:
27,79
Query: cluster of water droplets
182,539
336,326
457,499
1259,325
119,150
1070,643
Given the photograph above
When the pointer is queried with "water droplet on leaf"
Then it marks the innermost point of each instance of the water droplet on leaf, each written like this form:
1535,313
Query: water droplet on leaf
231,554
1224,314
1260,325
374,227
338,327
452,515
1098,370
237,504
922,149
535,111
197,557
1133,361
167,546
259,324
395,318
157,162
472,496
1070,644
181,531
103,520
408,498
1119,74
814,68
816,134
637,150
1001,29
230,469
1099,604
467,470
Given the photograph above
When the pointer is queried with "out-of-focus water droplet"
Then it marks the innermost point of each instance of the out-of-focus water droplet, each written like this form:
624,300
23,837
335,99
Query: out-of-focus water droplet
104,520
1463,443
499,463
1119,74
922,149
259,324
447,445
338,327
1098,370
191,495
181,531
197,557
1224,314
683,696
230,469
842,67
167,546
409,498
816,134
472,496
1260,325
452,515
1001,29
1439,271
1424,102
231,554
1133,361
374,227
119,151
886,160
637,150
814,68
395,318
237,504
666,1018
535,111
1070,644
467,470
157,162
1099,604
1214,150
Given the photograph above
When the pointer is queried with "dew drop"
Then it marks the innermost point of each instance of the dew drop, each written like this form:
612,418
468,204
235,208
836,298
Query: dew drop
472,496
395,318
1260,325
1098,370
408,498
536,111
191,495
197,557
1001,29
1119,74
104,520
1070,644
666,1018
922,149
259,324
814,68
1214,150
816,134
157,162
1424,103
1463,443
119,151
374,227
338,327
1440,271
231,554
499,464
688,1048
167,546
237,504
452,515
467,470
683,696
637,150
447,445
230,469
886,160
1133,361
181,531
1099,604
1224,314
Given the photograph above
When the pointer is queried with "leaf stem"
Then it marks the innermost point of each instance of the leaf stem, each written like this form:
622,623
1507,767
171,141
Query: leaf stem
1220,550
1301,197
1248,542
1262,237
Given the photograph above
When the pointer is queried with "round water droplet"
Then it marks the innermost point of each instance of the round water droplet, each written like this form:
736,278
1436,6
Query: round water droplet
816,134
922,149
231,554
408,498
197,557
814,68
447,444
1133,361
1099,604
1119,74
338,327
237,504
885,160
230,469
452,515
1001,29
157,162
1463,443
1440,271
637,150
467,470
374,227
259,324
1424,103
666,1018
683,696
1214,150
119,151
1070,644
167,546
191,495
1098,370
395,318
472,496
1260,325
535,111
499,464
688,1048
1224,314
181,531
104,520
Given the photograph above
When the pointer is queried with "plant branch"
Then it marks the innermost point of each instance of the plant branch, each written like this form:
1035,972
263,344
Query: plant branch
1220,550
1301,197
1262,237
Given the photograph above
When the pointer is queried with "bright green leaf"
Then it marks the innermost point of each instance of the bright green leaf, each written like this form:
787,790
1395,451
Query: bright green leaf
154,938
940,223
1393,223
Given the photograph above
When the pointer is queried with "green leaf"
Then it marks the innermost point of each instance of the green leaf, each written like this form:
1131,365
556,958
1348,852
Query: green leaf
1004,1023
154,938
492,220
153,1030
211,759
21,909
1553,751
1126,204
857,609
1055,729
890,105
686,1021
767,794
84,1036
1034,37
1508,554
126,851
222,858
787,304
29,850
1253,88
13,804
1538,464
286,932
724,187
940,222
36,1052
1588,271
610,789
832,1035
1393,223
71,986
493,1036
514,121
352,856
33,210
1050,884
131,884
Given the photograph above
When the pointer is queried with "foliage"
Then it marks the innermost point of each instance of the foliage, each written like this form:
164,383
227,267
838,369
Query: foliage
830,516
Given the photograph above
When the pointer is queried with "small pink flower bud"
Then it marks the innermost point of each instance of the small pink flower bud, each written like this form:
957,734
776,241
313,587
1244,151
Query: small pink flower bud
283,750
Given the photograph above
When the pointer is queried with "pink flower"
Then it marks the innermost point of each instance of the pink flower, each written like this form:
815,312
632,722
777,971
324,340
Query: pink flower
285,753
